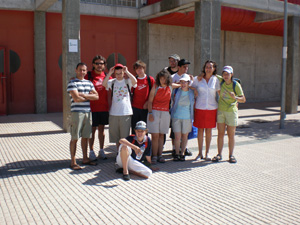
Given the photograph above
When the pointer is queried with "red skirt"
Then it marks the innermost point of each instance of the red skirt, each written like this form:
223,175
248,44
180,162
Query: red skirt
205,118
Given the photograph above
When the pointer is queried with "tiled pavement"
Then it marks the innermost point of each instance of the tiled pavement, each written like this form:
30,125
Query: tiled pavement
37,186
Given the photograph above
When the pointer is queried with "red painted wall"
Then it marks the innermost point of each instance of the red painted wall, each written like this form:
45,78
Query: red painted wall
17,34
99,35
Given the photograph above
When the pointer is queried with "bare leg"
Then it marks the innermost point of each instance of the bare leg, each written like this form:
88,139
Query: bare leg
155,138
73,144
84,145
124,158
101,135
160,144
231,140
221,133
92,139
208,134
184,140
177,142
200,141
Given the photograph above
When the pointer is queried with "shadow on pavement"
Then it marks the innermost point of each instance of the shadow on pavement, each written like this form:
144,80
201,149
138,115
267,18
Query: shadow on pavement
264,129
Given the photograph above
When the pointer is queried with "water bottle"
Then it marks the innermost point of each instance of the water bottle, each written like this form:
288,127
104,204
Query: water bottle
139,156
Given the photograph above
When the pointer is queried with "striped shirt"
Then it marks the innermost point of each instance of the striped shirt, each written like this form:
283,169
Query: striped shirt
82,86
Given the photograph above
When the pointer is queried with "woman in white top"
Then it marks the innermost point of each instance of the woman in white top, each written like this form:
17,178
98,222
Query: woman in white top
206,106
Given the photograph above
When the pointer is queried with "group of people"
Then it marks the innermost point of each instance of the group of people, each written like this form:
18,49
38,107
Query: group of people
141,104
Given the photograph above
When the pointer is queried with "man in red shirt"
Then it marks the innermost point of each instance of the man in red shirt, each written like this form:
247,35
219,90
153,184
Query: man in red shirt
100,107
140,94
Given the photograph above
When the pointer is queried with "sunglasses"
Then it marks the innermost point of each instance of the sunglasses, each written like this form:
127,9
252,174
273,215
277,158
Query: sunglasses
99,64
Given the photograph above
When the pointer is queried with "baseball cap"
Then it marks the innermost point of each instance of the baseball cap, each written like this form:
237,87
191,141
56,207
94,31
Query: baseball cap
141,125
183,62
185,77
175,56
228,69
118,65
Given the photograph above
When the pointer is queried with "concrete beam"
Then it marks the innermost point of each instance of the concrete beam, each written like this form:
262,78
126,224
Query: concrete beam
266,17
263,6
17,5
43,5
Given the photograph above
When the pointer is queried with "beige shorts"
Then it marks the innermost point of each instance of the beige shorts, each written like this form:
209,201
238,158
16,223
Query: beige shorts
160,124
119,127
181,126
229,118
81,125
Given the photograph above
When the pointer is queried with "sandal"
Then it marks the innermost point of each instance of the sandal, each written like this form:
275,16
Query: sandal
176,157
232,159
75,167
182,158
153,160
90,163
198,157
160,159
217,158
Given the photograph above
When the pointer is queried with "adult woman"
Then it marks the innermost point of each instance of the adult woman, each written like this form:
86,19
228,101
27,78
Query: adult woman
206,106
158,119
182,114
231,93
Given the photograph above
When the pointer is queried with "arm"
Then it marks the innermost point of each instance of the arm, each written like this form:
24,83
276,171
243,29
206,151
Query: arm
77,97
239,99
124,141
131,77
195,91
174,85
105,81
93,95
150,101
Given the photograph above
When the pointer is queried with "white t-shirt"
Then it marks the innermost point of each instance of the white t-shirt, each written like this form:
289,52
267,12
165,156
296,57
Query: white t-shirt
121,105
207,92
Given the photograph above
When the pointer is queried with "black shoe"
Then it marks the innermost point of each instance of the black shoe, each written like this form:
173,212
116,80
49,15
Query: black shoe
126,177
188,152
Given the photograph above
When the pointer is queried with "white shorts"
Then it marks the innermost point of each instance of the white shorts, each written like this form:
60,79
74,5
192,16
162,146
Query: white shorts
160,124
133,164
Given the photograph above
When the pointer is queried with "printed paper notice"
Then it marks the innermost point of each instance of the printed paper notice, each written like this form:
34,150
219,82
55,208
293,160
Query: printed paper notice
73,45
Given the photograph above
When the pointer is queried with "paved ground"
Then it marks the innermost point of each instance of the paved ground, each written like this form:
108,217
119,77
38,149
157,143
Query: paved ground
37,186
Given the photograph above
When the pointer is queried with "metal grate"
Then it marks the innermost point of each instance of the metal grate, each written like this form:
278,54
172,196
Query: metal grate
127,3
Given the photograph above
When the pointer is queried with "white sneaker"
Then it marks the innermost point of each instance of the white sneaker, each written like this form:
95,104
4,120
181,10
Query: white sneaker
92,156
102,154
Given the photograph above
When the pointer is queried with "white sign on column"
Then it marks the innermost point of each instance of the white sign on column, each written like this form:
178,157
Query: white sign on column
73,45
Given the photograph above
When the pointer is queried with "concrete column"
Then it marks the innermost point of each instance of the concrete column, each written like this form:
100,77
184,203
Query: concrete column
293,68
40,62
70,56
207,33
143,42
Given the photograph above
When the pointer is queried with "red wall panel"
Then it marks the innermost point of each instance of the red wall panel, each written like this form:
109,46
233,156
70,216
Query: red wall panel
17,34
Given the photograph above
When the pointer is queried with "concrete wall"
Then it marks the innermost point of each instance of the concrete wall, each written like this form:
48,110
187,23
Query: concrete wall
256,58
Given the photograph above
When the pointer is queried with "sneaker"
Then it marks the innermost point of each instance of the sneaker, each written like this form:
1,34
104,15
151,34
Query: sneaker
92,156
188,152
102,154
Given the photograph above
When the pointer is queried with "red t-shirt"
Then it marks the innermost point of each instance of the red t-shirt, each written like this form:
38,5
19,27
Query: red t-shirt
141,92
100,105
161,101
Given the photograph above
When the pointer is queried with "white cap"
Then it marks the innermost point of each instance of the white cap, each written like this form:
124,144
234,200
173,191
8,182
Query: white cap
185,77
